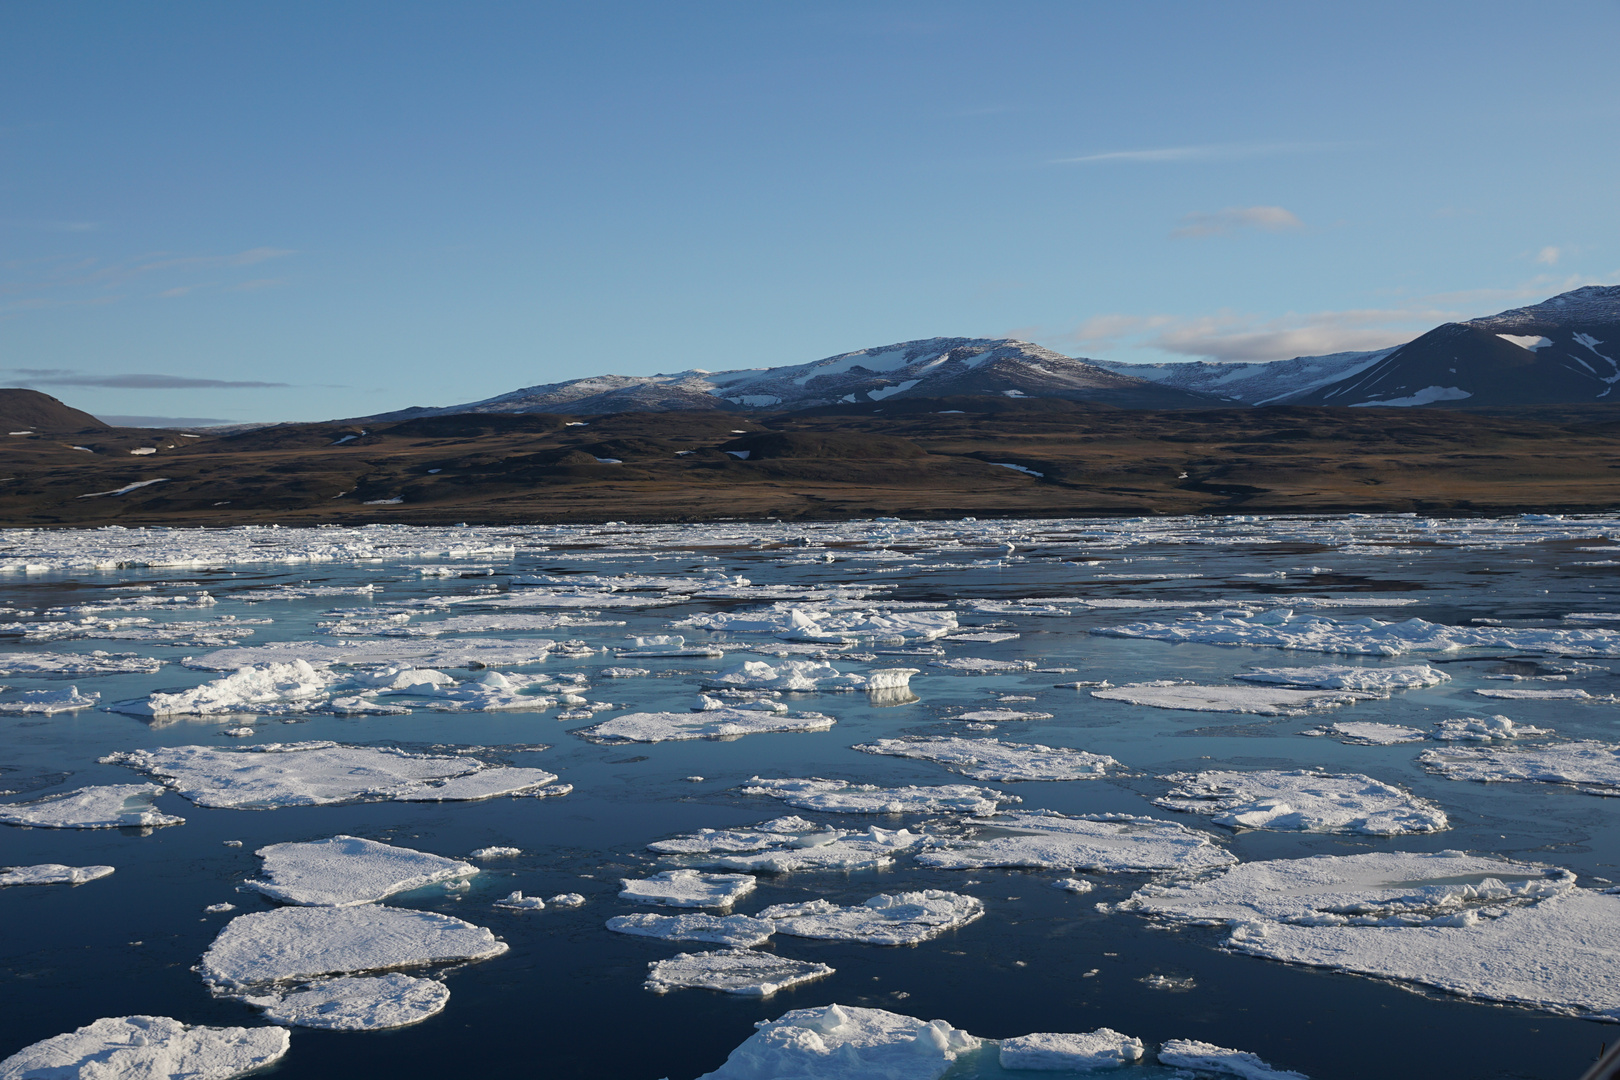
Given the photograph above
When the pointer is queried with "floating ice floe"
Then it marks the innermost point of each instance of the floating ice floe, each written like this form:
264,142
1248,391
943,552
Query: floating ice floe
1377,680
105,806
1590,767
136,603
323,774
841,1041
740,931
1282,629
347,870
1000,716
1517,694
575,598
807,676
516,901
623,672
985,637
976,665
81,664
1103,843
721,723
1263,700
489,652
1483,729
1091,1051
1073,884
48,702
992,759
1478,926
263,688
843,797
1203,1057
820,850
148,1047
494,852
886,919
734,971
1302,800
263,948
462,624
688,888
1366,733
782,832
363,1003
824,625
51,874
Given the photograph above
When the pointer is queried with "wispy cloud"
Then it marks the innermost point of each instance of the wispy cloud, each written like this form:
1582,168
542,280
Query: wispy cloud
133,381
1221,222
1548,256
81,279
1231,336
1207,152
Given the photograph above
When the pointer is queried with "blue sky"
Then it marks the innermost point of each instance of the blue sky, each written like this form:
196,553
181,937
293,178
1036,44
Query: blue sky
257,211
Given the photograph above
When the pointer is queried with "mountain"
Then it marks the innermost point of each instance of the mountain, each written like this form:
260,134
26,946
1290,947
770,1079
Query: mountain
931,367
30,410
1270,382
1563,350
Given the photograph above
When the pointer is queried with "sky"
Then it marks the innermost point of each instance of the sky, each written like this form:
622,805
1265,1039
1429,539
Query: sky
301,211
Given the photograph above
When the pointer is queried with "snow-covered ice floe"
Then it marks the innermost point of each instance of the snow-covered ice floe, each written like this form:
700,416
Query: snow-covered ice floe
1479,926
740,931
323,774
992,759
1104,843
1376,680
1483,729
1514,693
300,943
488,652
148,1048
356,1003
733,971
688,888
792,623
51,874
48,702
1263,700
835,849
806,676
1366,733
840,1042
274,688
98,662
978,665
1000,716
346,870
1281,628
1590,767
886,919
843,797
1203,1057
1085,1052
105,806
721,723
1302,800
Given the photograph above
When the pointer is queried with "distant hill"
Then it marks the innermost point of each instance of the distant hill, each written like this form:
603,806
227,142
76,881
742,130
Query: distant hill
1269,382
30,410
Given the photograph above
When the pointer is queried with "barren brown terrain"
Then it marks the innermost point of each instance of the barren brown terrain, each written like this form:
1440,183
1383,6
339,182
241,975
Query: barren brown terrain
938,457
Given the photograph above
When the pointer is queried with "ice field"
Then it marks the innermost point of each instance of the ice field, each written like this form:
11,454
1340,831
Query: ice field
1269,797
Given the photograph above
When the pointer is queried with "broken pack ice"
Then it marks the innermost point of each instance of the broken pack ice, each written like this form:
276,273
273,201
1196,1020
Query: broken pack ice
356,1003
906,918
1302,800
148,1047
733,971
741,931
346,870
992,759
843,797
104,806
1105,843
1263,700
51,874
834,1042
688,888
1590,767
721,723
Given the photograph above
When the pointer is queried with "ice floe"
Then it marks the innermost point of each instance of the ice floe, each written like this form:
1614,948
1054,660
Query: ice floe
688,888
721,723
148,1048
1000,716
1590,767
516,901
1262,700
782,832
886,919
268,947
51,874
836,1042
821,850
322,774
1203,1057
478,653
1515,693
347,870
356,1003
741,931
992,759
1091,1051
264,688
1104,843
48,702
104,806
844,797
81,664
975,665
823,625
1366,733
734,971
1483,729
807,676
1377,680
1302,800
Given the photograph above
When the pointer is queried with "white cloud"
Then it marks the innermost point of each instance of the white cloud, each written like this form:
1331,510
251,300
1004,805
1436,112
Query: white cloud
1230,336
1211,152
1221,222
1548,256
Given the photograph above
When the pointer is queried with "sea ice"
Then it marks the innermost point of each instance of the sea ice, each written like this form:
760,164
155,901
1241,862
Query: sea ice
1264,700
824,625
974,665
1364,733
1483,729
48,702
480,653
843,797
886,919
1516,694
1000,716
782,832
363,1003
51,874
1207,1057
1302,800
347,870
1590,767
81,664
288,943
516,901
871,850
1103,843
734,971
741,931
838,1042
723,723
147,1048
807,676
494,852
1378,680
688,888
105,806
1104,1048
262,688
992,759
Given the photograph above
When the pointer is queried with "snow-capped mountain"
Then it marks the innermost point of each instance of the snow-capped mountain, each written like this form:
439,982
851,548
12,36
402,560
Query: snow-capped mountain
928,368
1270,382
1563,350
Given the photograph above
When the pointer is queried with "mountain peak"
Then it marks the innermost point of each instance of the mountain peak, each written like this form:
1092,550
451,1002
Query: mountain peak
1587,304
